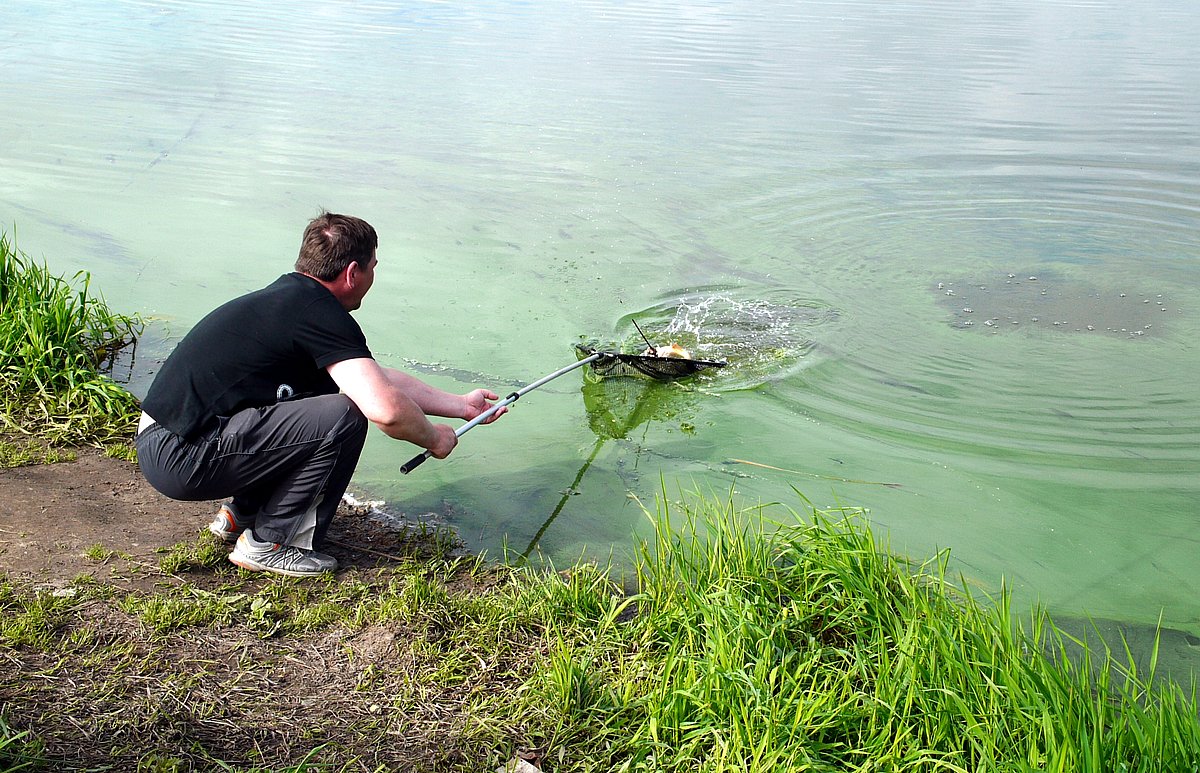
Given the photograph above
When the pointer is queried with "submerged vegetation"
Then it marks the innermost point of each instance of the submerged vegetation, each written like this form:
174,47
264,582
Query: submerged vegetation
57,339
745,648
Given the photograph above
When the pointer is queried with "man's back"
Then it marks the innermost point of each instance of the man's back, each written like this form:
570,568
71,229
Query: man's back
262,348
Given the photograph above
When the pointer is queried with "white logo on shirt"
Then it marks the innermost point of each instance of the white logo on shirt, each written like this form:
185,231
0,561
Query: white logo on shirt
284,392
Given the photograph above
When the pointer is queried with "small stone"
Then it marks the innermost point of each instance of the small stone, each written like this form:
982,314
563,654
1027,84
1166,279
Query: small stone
518,765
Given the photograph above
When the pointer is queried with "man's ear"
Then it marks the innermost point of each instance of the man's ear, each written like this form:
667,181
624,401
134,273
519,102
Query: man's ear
349,274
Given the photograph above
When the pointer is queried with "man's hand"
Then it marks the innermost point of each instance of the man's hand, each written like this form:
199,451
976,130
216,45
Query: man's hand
399,404
477,403
445,441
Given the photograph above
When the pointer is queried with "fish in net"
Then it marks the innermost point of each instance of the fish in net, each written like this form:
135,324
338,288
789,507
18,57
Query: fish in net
655,366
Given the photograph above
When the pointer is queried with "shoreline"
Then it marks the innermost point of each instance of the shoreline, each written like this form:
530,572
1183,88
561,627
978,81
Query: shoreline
128,638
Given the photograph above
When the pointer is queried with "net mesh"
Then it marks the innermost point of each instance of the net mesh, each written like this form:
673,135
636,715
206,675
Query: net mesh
661,368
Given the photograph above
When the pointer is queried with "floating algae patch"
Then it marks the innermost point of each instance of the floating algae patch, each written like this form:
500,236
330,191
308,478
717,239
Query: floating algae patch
1047,301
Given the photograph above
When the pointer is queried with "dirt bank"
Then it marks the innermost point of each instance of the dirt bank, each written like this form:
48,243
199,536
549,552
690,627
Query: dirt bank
51,514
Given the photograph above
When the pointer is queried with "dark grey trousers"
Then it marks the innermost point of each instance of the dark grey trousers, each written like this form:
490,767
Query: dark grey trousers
286,466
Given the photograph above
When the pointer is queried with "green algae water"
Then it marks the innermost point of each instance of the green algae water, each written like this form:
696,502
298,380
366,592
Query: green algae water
951,253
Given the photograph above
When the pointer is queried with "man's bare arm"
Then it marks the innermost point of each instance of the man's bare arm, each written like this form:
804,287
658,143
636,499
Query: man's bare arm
436,402
390,407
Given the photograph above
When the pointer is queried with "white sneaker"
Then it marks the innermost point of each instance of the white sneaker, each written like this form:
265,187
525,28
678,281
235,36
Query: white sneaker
227,525
257,556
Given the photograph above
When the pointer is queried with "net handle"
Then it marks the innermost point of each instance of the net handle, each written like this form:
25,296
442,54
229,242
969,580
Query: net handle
420,458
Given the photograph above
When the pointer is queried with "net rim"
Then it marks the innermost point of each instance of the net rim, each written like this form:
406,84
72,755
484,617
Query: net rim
655,367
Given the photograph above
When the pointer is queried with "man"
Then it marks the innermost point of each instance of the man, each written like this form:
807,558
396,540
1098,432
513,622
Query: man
267,399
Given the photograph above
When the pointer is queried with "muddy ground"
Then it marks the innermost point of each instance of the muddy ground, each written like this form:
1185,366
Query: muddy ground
50,514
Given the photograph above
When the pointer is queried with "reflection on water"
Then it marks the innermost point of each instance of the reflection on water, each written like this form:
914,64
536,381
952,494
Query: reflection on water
615,408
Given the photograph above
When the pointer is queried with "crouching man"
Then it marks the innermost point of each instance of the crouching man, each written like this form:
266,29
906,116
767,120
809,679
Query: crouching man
267,401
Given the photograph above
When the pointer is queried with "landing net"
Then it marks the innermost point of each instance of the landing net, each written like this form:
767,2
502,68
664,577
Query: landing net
662,368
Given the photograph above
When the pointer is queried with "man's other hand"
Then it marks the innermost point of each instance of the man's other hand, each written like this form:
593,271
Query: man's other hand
478,401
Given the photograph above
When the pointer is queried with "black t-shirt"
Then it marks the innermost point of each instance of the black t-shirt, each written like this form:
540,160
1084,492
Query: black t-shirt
270,345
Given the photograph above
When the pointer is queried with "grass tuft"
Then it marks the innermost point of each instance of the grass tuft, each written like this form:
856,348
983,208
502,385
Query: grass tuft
57,341
122,449
18,750
31,620
203,552
98,552
20,452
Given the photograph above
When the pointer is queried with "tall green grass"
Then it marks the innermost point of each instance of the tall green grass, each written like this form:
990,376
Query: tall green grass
57,339
810,648
748,646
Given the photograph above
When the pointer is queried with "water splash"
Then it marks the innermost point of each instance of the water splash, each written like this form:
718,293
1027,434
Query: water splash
763,338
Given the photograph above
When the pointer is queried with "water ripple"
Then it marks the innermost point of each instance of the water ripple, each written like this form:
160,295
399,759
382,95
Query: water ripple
1149,434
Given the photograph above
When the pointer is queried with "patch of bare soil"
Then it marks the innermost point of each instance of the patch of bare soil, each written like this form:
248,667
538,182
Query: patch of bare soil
51,514
106,692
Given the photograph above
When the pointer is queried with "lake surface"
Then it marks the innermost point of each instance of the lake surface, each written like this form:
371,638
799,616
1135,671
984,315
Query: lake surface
953,247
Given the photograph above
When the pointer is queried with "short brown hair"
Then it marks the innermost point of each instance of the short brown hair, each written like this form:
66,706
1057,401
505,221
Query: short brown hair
332,242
